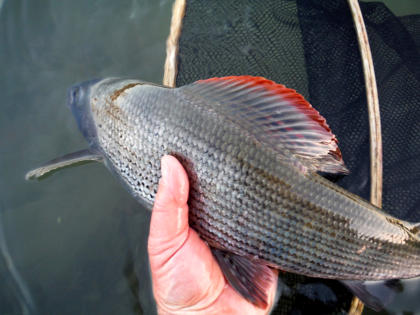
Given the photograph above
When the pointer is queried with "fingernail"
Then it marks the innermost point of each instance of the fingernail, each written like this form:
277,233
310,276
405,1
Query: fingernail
173,179
165,170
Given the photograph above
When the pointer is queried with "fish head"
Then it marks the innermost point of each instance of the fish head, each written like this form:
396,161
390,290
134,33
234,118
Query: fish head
99,105
79,101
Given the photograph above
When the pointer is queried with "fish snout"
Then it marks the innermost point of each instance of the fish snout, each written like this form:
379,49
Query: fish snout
78,94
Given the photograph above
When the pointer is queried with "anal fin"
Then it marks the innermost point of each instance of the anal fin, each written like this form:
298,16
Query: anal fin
374,294
71,159
249,278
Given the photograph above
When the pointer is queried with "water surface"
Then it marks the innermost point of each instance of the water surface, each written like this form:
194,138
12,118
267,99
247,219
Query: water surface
76,240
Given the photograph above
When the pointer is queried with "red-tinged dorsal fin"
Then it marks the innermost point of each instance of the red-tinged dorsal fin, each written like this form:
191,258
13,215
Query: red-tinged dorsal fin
277,116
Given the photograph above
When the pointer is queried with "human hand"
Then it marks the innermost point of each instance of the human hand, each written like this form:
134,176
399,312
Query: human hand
186,277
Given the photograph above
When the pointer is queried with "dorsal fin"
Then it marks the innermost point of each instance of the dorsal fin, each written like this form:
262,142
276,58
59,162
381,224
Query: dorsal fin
277,116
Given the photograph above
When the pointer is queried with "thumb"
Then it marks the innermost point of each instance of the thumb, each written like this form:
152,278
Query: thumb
169,223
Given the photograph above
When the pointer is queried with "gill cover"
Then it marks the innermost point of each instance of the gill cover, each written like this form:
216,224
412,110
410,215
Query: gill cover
78,99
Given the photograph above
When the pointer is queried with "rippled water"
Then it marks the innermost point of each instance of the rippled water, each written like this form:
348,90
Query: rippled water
72,242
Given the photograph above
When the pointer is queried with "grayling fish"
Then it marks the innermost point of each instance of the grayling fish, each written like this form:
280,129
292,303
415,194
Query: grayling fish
251,149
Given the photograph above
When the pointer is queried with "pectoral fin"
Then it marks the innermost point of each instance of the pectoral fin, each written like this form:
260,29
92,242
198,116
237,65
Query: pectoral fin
71,159
249,278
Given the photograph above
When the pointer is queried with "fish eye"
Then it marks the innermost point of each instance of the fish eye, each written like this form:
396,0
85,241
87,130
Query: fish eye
75,96
74,93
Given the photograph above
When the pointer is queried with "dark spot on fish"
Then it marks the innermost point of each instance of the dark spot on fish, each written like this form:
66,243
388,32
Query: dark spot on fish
114,111
117,93
397,222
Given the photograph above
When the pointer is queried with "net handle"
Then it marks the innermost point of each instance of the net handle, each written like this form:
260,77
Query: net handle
376,170
172,43
376,173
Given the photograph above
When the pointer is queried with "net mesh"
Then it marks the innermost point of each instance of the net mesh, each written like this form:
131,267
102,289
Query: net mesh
311,46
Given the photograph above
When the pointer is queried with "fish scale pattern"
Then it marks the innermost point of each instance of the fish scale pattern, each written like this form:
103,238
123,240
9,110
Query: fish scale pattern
311,46
244,198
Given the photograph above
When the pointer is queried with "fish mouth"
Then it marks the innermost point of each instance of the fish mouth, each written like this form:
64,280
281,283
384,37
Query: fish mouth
78,100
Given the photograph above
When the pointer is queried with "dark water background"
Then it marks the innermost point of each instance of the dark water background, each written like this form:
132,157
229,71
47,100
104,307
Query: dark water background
75,243
77,237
